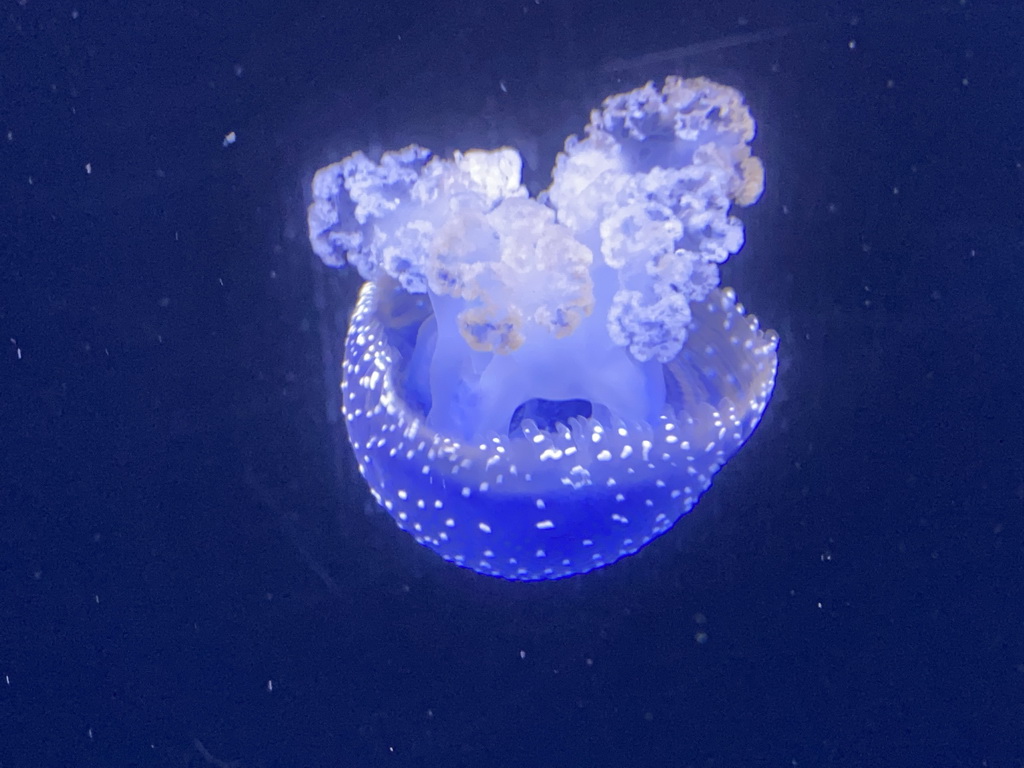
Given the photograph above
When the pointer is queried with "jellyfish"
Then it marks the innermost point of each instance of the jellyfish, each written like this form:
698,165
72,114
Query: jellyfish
536,387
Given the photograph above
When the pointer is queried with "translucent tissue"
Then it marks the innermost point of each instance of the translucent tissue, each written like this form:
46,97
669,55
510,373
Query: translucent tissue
535,388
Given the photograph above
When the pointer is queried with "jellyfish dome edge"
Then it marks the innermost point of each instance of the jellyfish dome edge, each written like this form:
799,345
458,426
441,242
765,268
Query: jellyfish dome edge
535,388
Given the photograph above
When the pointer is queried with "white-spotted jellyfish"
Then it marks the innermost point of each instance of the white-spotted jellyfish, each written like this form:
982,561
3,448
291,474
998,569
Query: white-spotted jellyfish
537,387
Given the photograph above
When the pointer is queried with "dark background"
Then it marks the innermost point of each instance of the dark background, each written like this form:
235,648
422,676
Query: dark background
191,570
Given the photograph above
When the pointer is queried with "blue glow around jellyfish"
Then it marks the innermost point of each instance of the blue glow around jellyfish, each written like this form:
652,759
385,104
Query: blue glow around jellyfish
535,388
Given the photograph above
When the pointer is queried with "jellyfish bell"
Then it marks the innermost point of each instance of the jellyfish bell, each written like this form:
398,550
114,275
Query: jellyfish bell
537,387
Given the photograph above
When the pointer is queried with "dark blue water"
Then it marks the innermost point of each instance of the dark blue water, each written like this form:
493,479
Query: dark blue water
191,569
